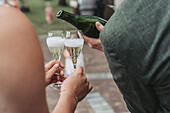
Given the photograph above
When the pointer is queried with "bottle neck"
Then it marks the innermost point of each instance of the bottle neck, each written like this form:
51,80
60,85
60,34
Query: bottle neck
69,17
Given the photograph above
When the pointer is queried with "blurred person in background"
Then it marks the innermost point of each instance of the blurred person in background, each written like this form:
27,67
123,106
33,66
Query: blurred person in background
136,43
49,14
100,5
107,10
24,77
87,7
75,5
103,10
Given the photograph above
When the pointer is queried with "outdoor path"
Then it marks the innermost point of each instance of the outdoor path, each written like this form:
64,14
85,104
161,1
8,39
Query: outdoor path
105,97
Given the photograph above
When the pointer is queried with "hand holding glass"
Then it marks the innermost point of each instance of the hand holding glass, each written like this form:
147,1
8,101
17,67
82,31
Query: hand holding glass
55,43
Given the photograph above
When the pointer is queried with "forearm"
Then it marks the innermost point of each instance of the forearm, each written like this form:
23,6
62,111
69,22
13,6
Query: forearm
66,103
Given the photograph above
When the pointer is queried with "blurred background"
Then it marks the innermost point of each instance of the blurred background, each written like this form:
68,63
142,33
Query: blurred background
105,97
35,11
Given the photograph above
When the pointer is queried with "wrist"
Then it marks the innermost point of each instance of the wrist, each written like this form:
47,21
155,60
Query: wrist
66,103
69,96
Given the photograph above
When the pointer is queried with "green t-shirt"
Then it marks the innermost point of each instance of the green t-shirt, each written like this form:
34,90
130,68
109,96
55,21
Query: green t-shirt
136,42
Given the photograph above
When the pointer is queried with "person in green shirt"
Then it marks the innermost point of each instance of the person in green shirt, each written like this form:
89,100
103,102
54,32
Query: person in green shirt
136,43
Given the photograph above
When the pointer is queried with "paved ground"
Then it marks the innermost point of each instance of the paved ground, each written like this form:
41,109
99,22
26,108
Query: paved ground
105,97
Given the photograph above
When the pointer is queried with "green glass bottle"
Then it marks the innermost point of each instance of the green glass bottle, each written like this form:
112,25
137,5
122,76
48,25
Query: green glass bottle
82,22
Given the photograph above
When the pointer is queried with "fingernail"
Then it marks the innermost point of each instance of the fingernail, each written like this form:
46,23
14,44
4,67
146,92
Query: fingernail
56,65
97,22
100,26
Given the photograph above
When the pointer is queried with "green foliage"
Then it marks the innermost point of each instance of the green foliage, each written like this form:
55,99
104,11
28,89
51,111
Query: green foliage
37,15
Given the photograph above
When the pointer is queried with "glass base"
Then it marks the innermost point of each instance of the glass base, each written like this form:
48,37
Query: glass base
56,85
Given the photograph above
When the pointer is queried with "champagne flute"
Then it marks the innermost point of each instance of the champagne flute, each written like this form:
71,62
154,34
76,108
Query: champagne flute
74,44
55,43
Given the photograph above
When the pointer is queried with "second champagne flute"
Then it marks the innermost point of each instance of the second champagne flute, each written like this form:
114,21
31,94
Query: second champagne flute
55,43
74,44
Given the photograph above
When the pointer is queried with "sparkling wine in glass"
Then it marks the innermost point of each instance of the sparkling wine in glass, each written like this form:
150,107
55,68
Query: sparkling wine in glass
55,43
74,44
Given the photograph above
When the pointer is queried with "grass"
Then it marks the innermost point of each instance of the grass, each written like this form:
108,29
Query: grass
37,15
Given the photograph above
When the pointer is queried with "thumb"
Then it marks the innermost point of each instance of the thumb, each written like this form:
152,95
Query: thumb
52,71
99,26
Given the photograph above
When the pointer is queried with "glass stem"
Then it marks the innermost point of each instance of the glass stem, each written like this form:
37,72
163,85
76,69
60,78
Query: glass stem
74,66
